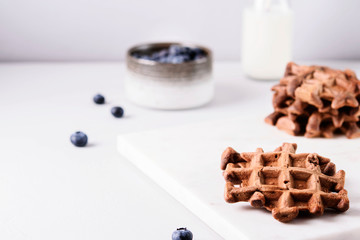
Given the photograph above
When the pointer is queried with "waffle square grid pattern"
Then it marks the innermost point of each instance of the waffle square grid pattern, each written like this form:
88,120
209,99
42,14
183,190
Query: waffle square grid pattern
284,182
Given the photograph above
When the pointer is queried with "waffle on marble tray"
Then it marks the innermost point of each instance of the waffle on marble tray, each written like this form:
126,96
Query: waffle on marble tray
284,182
317,101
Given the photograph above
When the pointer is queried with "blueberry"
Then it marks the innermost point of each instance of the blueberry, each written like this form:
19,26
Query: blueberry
199,51
182,234
146,57
163,60
117,112
155,57
159,55
185,50
187,57
192,54
173,54
79,139
136,55
175,49
176,59
99,99
199,56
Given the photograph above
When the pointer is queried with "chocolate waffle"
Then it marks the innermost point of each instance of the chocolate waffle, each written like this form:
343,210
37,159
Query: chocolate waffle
283,181
317,101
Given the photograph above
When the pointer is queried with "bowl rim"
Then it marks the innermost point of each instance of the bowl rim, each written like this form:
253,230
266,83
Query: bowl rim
129,52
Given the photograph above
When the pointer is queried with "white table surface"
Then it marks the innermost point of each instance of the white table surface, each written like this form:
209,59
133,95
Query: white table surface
50,189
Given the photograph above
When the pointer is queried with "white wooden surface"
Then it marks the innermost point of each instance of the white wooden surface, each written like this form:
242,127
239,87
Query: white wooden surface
52,190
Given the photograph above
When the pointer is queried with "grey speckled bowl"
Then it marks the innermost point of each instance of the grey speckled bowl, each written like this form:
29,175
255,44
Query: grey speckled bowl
168,85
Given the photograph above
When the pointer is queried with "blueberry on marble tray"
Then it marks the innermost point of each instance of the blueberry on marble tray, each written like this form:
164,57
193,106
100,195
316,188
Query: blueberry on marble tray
79,139
99,99
117,112
182,234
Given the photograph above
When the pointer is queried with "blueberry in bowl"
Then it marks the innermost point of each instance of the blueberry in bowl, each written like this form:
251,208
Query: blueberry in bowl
169,75
172,53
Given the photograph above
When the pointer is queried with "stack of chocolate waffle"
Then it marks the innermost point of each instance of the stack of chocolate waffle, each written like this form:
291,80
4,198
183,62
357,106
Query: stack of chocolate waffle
317,101
284,182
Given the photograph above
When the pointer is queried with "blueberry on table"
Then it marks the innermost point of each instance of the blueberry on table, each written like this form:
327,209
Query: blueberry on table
117,112
182,234
79,139
99,99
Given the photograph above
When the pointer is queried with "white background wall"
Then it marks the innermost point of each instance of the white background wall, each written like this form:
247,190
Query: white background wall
104,29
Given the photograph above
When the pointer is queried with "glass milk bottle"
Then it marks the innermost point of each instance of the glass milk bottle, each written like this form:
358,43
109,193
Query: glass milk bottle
267,39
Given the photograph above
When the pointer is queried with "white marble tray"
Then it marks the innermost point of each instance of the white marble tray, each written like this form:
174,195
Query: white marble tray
185,162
